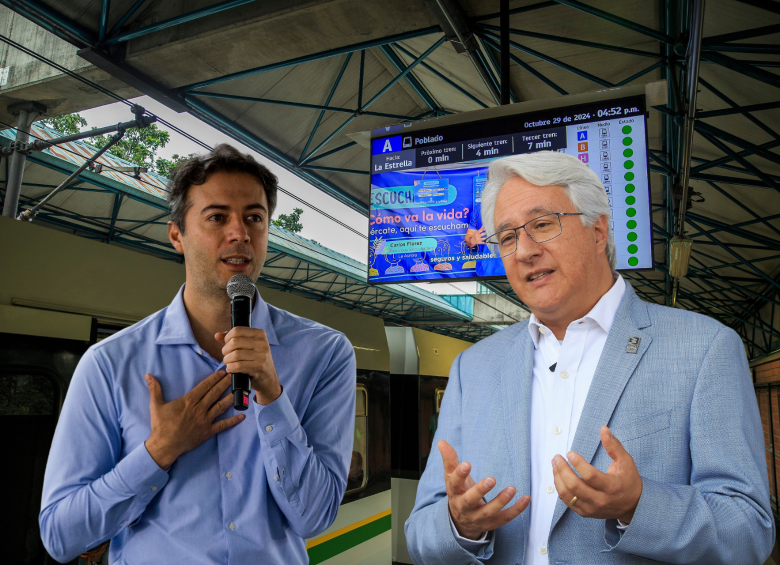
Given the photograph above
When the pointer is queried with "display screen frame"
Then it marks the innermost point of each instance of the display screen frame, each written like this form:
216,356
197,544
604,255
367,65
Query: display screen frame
476,125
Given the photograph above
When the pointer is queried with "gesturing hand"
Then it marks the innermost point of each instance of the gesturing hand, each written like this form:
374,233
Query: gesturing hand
247,351
183,424
611,495
471,515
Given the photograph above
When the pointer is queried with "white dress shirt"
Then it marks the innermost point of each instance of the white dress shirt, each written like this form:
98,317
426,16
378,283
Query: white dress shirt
557,399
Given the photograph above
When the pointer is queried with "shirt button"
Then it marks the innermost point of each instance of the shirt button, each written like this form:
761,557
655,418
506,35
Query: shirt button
154,488
556,430
564,375
543,550
200,352
232,526
542,330
229,475
550,489
276,477
269,428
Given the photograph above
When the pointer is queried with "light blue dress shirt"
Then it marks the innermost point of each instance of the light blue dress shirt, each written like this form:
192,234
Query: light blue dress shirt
251,494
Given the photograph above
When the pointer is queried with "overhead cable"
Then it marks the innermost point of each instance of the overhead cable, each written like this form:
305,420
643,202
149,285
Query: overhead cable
167,124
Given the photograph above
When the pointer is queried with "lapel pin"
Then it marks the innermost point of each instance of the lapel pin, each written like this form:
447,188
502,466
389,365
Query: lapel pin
633,345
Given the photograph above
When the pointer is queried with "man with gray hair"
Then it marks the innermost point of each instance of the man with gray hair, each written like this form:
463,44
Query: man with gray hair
603,429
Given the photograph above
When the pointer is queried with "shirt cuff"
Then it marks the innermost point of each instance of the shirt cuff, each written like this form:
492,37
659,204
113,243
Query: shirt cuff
471,545
277,420
140,473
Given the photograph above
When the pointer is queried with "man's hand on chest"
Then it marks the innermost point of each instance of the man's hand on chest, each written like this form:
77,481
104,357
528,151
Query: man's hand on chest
247,351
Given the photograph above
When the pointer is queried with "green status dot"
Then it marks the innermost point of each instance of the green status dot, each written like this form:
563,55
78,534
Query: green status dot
633,261
628,152
630,200
626,129
632,235
631,212
631,224
632,249
629,176
630,188
627,141
629,164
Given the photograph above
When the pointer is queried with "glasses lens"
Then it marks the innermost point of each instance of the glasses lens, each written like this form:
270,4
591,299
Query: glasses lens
544,228
503,243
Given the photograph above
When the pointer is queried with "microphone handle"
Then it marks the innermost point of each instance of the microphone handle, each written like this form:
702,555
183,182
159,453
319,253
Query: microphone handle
241,316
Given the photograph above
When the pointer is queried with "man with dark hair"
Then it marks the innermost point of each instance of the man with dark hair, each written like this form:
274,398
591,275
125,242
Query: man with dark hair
149,451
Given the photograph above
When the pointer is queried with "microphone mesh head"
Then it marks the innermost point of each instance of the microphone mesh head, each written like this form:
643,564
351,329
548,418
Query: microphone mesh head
240,285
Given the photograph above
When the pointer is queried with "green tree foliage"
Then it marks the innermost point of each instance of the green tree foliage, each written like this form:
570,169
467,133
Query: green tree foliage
290,222
165,167
67,125
138,146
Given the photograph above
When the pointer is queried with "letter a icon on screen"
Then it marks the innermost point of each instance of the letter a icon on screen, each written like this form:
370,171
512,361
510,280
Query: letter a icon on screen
582,136
388,146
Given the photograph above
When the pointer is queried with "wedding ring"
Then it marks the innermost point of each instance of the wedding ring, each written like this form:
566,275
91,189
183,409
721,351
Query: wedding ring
573,501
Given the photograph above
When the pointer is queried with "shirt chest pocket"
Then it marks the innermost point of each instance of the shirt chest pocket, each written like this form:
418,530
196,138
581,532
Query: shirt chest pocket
642,427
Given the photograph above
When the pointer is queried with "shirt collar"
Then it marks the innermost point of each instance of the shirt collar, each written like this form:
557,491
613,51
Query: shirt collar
603,313
176,329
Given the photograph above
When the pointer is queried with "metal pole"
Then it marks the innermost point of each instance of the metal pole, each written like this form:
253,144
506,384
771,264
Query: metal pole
504,22
691,86
26,112
692,57
28,215
141,122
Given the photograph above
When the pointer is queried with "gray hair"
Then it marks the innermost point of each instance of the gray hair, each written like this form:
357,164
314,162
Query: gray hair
551,168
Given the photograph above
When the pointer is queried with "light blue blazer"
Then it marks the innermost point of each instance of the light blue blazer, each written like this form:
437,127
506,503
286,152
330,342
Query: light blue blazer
683,406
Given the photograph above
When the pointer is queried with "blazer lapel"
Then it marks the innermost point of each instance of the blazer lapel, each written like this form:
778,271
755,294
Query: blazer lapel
516,378
613,371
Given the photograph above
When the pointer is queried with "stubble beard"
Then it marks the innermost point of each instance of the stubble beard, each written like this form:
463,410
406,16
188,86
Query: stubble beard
204,276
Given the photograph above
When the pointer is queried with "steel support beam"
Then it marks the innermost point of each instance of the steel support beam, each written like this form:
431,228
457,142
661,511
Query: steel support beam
52,21
400,66
553,61
529,68
241,134
658,36
313,57
571,41
504,74
455,25
178,20
105,7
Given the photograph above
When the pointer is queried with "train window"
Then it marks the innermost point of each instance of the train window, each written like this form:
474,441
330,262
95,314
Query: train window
358,468
27,395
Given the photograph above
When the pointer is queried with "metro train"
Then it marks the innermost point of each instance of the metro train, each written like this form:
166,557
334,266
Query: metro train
60,293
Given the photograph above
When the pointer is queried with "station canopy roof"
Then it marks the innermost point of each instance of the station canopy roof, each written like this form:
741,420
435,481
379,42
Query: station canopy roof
131,211
292,80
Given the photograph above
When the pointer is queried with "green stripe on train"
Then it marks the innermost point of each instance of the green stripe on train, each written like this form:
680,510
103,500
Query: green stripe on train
331,548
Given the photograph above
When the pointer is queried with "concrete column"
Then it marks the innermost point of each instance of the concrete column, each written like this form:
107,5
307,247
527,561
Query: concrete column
25,113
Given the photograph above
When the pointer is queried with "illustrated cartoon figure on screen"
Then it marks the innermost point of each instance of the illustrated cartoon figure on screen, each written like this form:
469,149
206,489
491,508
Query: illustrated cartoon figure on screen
375,251
420,266
442,250
394,268
465,251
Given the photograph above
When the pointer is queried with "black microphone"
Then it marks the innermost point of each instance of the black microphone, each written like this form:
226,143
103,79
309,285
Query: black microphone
241,292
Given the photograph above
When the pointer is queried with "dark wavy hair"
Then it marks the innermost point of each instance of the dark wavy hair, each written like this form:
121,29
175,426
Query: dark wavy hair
196,171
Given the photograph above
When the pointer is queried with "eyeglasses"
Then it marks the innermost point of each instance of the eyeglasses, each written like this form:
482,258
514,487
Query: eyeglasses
541,229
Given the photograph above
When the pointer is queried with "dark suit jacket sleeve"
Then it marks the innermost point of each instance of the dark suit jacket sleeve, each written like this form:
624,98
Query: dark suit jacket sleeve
723,515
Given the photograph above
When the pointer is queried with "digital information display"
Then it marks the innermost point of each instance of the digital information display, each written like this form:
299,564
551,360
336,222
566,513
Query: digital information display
426,186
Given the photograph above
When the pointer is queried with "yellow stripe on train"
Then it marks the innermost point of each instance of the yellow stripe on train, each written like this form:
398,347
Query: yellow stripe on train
355,526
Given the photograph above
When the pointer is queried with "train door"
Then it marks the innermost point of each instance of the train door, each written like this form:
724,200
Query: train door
34,375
